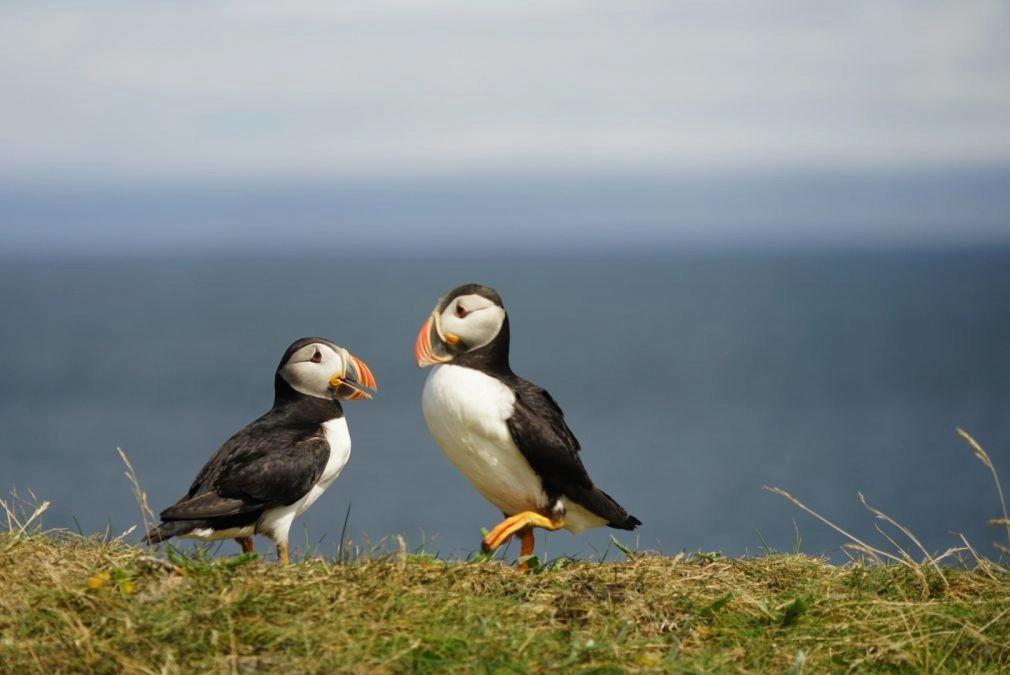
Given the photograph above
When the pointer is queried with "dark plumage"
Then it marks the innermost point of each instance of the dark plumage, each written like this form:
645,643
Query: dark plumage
273,469
540,432
274,461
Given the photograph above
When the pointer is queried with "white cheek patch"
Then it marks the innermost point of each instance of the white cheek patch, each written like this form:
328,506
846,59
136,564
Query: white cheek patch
310,378
479,327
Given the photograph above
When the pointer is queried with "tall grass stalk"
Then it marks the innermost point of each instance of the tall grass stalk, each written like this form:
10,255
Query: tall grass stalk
983,457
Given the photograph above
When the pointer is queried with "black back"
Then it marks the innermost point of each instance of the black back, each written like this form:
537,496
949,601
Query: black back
273,461
537,424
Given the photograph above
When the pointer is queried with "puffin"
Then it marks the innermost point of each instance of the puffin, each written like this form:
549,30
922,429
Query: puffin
276,467
506,435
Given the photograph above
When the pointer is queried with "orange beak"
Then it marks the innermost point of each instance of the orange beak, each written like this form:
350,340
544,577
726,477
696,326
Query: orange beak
352,384
424,350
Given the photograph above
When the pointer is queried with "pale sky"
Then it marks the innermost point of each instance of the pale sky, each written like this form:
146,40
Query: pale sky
120,94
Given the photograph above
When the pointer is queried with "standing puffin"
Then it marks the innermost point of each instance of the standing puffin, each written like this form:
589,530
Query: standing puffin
506,435
271,471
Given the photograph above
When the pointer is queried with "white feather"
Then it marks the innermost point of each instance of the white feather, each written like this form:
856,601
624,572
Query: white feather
578,518
466,412
209,534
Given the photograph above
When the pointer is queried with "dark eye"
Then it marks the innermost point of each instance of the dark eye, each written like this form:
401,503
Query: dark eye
317,357
461,311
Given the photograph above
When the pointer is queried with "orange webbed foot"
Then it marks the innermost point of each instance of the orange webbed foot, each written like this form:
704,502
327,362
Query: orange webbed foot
527,520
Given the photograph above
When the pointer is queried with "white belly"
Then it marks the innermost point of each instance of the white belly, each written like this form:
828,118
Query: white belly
465,411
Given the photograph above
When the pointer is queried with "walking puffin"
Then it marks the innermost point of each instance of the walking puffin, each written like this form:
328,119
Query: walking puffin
505,434
271,471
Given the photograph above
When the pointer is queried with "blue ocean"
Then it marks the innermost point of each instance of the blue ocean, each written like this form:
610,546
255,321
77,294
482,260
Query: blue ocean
692,380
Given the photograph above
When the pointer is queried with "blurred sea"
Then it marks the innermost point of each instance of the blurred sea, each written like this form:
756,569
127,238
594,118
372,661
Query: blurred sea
692,380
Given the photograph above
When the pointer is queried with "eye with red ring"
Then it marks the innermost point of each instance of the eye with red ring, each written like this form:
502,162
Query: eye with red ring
461,311
317,357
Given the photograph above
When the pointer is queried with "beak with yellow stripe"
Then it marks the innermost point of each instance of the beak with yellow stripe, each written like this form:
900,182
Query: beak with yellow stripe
354,380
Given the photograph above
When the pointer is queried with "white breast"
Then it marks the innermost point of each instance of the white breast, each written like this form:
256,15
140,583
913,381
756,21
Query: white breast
275,523
466,412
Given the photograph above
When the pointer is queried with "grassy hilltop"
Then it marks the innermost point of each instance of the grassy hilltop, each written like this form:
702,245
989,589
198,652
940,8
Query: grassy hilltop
77,604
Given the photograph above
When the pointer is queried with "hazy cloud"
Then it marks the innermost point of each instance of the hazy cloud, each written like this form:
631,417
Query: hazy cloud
256,89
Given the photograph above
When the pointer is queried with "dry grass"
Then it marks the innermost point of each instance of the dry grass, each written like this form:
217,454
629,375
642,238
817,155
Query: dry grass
90,604
73,604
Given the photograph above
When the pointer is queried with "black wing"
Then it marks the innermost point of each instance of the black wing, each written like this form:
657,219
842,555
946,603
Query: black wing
263,465
539,430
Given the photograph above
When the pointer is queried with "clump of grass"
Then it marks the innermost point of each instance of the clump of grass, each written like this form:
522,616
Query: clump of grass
148,519
902,555
982,456
23,515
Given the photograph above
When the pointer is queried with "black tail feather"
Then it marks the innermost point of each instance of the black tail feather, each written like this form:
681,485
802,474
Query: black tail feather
629,523
605,506
167,530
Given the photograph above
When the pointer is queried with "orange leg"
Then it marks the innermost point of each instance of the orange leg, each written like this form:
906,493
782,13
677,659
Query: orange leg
282,553
526,520
527,543
246,543
526,549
